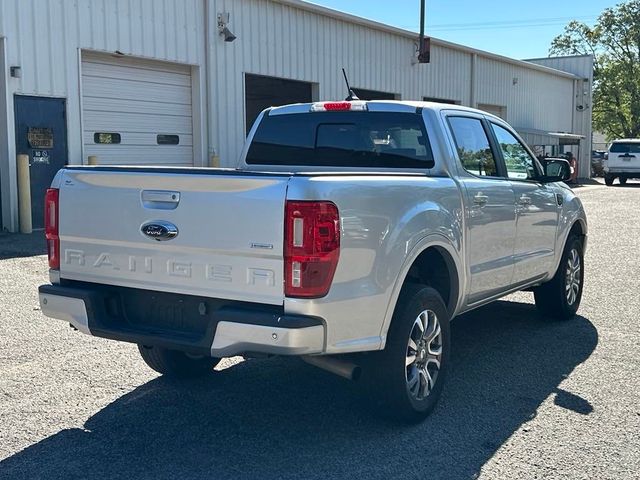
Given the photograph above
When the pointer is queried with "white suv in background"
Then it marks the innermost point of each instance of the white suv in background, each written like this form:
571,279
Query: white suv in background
622,161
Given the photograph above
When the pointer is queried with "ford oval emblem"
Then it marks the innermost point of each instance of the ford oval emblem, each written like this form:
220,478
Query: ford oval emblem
160,230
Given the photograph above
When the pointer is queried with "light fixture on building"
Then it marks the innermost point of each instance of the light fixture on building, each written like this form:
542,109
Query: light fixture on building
515,80
223,29
16,71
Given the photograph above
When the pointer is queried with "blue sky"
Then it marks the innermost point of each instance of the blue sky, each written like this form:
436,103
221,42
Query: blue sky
516,28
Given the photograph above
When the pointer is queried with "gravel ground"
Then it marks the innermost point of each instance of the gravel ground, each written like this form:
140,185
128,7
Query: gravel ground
526,398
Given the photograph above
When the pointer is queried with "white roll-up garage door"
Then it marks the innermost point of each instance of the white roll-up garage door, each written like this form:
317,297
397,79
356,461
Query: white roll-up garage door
136,112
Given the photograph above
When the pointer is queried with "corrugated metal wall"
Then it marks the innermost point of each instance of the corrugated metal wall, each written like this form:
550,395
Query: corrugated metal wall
582,66
45,37
532,99
283,40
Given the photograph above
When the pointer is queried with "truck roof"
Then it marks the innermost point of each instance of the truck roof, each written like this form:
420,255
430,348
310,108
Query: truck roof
377,106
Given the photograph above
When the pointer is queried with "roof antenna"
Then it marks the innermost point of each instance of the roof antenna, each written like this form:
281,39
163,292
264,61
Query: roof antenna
352,95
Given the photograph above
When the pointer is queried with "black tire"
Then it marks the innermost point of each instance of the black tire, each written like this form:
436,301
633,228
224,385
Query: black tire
390,376
553,299
622,180
175,364
608,180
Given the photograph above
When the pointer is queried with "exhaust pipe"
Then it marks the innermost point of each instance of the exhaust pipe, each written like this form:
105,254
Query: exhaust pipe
330,363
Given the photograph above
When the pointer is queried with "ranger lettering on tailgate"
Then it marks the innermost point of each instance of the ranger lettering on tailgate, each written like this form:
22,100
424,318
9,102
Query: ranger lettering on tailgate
174,268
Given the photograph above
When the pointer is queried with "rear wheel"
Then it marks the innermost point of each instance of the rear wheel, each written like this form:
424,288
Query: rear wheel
560,297
173,363
408,375
608,180
622,180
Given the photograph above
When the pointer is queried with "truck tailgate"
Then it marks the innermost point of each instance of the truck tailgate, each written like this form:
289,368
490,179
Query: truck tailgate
230,231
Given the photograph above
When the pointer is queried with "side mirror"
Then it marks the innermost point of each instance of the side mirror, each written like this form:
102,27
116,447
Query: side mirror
556,170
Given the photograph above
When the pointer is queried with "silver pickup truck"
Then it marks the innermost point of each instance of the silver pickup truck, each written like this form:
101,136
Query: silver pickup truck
350,234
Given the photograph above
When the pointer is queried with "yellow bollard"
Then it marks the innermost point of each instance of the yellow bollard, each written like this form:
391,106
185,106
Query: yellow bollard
93,160
24,194
214,161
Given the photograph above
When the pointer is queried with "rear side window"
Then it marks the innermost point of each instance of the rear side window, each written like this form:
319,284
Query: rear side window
473,146
341,139
625,148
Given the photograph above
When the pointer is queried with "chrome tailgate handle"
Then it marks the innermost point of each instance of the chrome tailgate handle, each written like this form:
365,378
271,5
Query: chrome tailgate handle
160,199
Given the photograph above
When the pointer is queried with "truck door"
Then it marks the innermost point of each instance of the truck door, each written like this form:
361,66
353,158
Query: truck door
489,209
536,205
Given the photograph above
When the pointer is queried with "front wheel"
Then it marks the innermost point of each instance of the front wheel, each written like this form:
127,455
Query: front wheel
622,180
560,297
175,364
408,375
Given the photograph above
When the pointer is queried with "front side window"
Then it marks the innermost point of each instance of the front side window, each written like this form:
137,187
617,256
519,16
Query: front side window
473,146
340,139
520,164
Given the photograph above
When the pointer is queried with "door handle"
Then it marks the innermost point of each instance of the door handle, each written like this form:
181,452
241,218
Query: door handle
524,200
160,199
480,199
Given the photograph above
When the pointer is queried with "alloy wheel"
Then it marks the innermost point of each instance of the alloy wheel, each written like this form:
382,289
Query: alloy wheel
424,355
573,276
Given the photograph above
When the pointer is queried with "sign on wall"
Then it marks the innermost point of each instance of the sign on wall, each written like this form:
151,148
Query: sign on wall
40,137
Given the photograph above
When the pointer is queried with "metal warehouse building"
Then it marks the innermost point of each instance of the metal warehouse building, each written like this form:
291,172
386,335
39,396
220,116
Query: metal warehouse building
159,83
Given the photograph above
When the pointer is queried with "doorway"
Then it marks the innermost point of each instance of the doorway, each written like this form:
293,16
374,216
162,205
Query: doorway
263,92
41,133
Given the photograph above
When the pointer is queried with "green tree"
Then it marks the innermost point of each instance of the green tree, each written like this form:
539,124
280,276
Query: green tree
614,41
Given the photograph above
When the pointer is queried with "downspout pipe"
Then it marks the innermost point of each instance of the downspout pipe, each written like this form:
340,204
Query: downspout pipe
212,159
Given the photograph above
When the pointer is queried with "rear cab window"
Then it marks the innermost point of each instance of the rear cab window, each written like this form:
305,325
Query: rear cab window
342,139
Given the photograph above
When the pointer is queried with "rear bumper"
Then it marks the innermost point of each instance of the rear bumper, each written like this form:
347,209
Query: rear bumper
630,171
197,325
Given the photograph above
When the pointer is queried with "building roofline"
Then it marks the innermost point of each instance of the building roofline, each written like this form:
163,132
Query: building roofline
347,17
558,56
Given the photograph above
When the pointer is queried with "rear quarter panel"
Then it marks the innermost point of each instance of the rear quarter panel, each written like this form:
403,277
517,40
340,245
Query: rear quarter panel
386,221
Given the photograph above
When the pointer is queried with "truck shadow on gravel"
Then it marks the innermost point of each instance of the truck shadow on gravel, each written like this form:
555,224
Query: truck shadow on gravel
281,418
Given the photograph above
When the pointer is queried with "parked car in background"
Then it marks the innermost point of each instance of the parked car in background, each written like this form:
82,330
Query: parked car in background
597,159
622,161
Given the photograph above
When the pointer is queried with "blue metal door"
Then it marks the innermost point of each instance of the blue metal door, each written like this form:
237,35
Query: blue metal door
41,133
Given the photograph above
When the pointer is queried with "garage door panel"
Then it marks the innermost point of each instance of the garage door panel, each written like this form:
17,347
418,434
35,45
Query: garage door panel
133,90
137,122
137,63
138,99
141,139
141,155
117,72
98,104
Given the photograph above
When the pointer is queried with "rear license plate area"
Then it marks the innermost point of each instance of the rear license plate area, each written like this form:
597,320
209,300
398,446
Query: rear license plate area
166,313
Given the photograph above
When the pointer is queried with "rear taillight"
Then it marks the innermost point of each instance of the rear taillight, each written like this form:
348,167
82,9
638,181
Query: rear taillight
51,227
312,248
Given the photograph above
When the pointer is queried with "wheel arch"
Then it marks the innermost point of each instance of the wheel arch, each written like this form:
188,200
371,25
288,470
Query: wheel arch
434,249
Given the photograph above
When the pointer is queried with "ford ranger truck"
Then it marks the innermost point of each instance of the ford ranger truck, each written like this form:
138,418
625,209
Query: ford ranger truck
350,234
